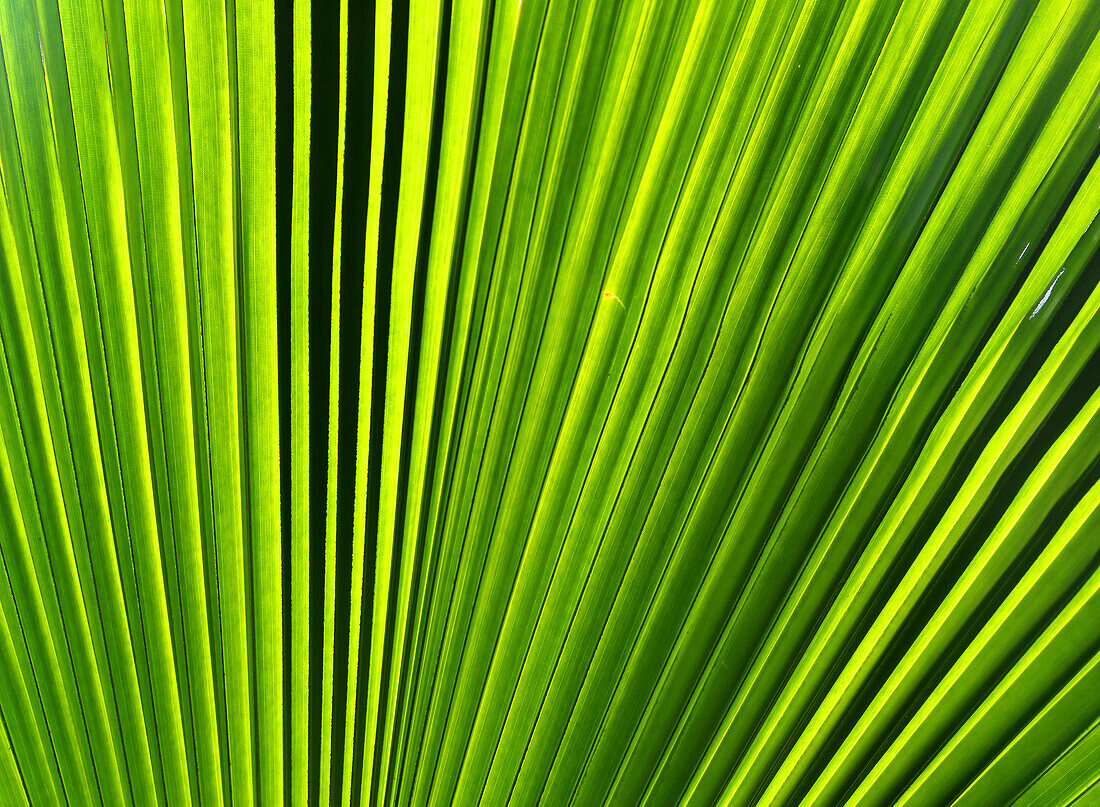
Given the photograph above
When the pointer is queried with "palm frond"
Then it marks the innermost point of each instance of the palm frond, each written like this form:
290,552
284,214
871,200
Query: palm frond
457,402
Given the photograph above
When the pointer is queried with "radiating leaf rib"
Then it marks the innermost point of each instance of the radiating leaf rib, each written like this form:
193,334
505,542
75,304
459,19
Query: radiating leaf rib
45,652
461,57
996,629
358,701
256,109
26,722
58,317
834,441
96,138
327,787
298,667
211,142
165,277
1068,777
11,784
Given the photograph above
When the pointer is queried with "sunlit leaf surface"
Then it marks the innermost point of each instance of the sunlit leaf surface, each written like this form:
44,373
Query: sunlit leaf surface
556,402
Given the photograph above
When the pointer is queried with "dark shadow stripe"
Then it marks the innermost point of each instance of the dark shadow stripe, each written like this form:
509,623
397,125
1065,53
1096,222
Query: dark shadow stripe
284,179
357,151
391,183
324,68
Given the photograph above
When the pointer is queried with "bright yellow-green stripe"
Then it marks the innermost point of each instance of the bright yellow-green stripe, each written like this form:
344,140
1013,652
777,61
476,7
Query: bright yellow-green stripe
58,322
329,673
256,104
11,785
298,708
212,149
162,204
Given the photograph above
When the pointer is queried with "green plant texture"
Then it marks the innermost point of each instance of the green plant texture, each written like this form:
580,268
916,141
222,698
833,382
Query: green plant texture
458,403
